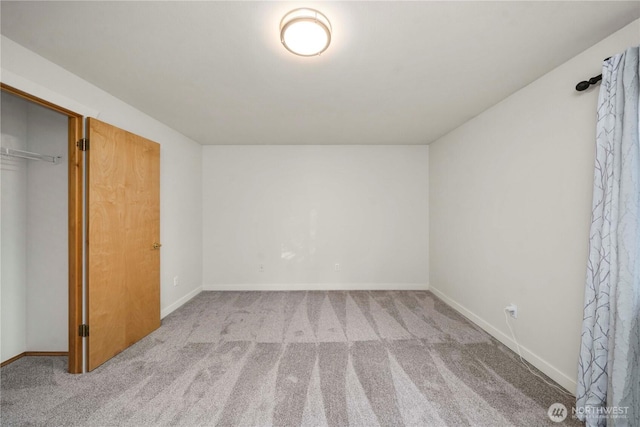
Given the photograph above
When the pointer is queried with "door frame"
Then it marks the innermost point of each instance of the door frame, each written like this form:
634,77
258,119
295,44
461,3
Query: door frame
76,221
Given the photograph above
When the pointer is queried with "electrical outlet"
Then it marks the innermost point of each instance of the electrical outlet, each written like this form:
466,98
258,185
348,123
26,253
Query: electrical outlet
512,309
337,267
175,280
261,268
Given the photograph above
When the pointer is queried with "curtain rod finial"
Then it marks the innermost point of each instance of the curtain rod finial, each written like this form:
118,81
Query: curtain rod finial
583,85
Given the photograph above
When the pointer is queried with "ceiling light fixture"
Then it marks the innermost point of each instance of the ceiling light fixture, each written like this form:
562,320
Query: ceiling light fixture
305,32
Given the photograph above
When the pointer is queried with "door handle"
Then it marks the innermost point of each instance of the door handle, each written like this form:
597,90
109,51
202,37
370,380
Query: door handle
156,245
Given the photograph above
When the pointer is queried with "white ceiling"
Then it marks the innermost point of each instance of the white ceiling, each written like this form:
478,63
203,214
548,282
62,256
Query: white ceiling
395,73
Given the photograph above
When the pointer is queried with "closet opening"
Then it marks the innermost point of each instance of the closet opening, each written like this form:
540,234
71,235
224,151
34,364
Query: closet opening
41,229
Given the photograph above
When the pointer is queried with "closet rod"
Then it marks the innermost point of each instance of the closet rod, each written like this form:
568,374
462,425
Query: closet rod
29,155
584,85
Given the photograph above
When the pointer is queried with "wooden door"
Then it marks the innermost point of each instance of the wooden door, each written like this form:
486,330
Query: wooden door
123,256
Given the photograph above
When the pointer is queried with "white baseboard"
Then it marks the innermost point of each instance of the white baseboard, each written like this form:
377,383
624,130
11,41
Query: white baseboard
544,366
317,287
176,305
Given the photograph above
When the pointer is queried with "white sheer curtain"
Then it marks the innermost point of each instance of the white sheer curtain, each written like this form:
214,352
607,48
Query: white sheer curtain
608,392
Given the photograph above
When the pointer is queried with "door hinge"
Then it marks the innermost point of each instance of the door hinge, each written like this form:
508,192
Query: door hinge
83,330
83,144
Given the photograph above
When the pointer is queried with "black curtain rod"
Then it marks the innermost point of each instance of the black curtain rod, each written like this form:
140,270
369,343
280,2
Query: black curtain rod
584,85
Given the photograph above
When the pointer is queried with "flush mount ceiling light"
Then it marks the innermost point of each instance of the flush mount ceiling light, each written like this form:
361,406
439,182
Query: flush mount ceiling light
305,32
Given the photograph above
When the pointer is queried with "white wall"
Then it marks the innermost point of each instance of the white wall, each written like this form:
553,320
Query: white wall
47,233
299,210
510,205
180,162
13,235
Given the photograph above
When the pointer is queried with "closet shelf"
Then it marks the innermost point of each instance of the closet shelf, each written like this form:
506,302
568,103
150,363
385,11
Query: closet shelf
10,152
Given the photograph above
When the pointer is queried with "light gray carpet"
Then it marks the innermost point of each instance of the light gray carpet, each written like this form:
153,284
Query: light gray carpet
290,359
